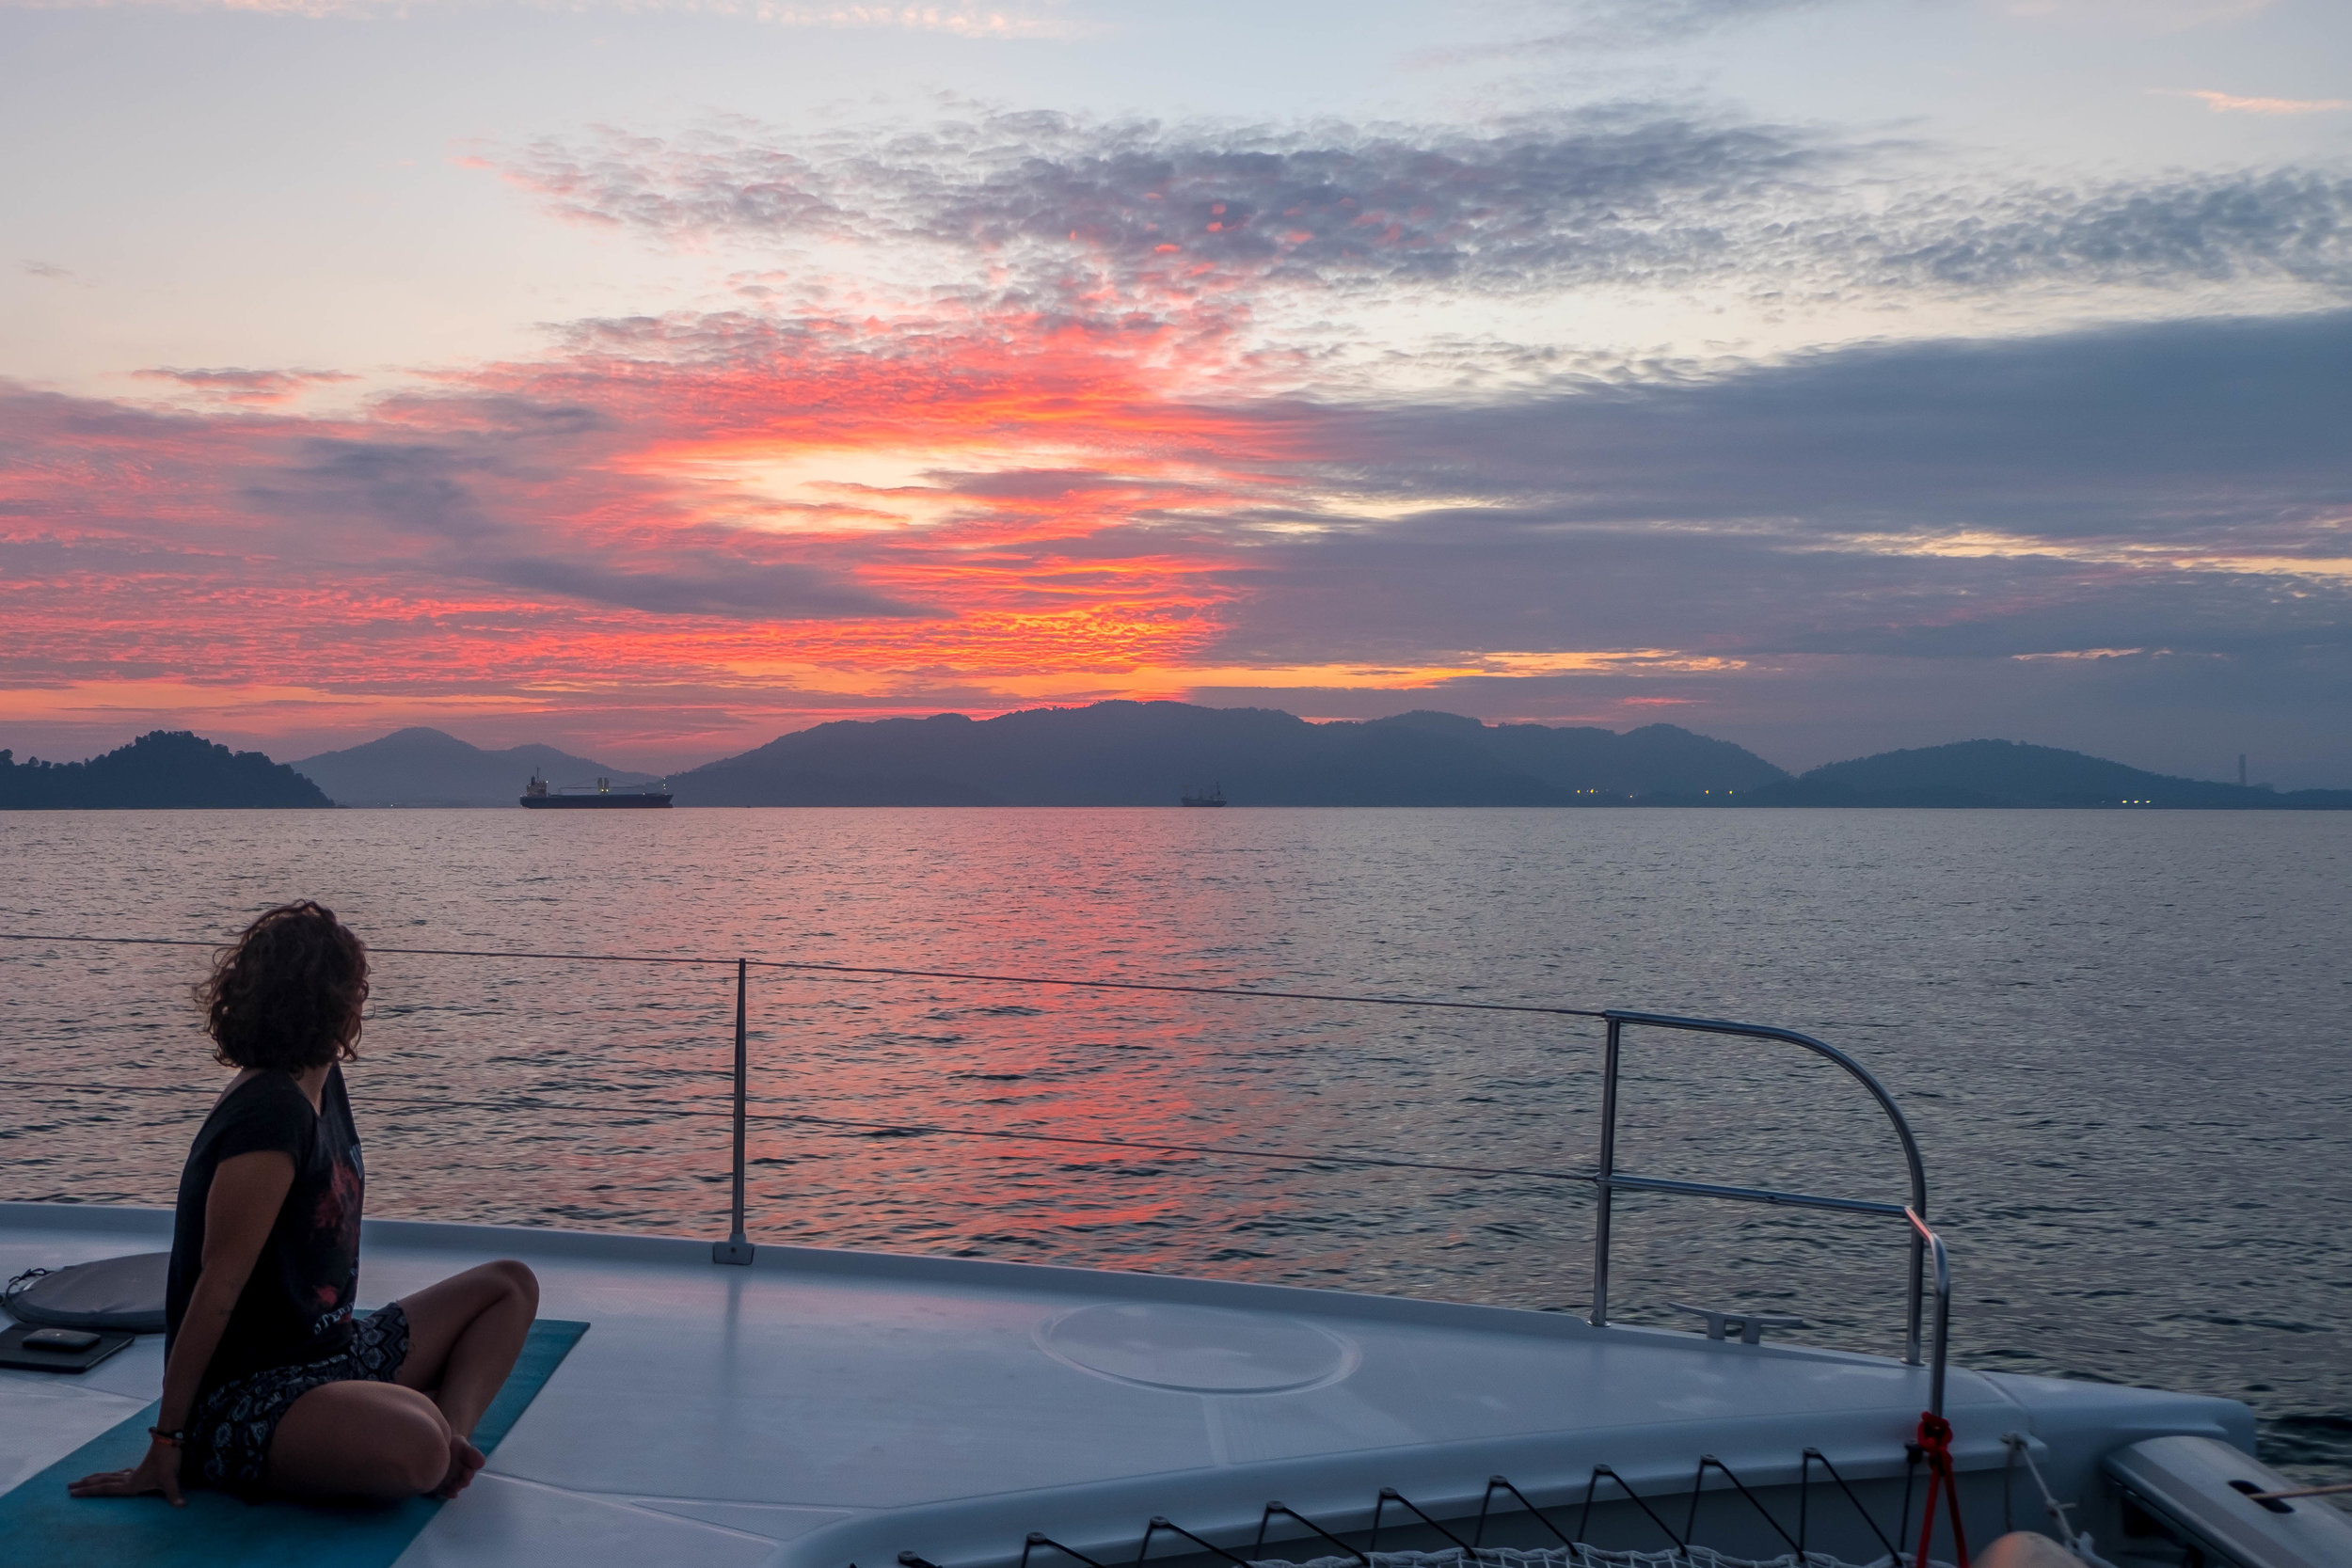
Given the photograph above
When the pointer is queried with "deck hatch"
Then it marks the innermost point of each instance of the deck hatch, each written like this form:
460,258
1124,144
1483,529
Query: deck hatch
1196,1350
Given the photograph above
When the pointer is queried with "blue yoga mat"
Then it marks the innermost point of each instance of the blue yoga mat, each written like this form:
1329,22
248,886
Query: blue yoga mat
41,1524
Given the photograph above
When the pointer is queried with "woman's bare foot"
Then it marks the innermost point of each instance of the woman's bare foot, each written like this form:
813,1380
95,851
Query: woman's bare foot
464,1460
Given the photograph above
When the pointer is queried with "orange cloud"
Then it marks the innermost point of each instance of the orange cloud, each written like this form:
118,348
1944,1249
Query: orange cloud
726,508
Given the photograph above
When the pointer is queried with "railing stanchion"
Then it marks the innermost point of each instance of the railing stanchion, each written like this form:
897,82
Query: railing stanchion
1918,1270
1603,1175
1922,1238
736,1248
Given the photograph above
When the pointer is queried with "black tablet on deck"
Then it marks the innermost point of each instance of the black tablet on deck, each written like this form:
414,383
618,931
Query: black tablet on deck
70,1354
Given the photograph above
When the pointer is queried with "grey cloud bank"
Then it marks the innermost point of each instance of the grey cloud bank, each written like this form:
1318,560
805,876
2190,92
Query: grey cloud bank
1631,196
2164,507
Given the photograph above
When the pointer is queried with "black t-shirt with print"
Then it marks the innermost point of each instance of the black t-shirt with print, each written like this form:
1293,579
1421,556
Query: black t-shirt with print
296,1305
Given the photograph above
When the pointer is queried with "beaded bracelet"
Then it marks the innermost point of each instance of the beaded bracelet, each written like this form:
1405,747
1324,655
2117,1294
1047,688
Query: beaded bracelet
177,1439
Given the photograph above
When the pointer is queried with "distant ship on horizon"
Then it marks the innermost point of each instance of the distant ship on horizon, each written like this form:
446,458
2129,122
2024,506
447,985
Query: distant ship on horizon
601,796
1212,796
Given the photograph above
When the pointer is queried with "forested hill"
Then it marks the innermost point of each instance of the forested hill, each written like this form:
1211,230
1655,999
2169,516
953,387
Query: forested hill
162,770
2007,773
1121,753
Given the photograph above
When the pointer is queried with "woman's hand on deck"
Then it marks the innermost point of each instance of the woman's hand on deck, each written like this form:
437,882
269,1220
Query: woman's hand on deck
158,1472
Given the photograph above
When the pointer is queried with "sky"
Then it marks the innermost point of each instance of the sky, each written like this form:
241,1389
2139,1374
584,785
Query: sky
652,378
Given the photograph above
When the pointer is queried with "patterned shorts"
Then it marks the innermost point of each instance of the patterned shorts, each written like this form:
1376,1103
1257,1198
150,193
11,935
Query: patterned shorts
229,1430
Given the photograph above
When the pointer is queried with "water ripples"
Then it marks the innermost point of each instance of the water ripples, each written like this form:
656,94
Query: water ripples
2122,1038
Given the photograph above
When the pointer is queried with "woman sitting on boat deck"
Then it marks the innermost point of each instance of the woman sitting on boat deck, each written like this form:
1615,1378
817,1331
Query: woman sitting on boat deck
269,1382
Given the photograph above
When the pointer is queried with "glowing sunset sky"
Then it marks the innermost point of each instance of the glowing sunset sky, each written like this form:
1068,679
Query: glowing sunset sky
1828,375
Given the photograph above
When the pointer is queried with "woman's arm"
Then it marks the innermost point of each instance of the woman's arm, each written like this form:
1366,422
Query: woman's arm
246,1193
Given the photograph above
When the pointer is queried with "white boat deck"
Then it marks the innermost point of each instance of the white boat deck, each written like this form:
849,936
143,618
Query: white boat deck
828,1408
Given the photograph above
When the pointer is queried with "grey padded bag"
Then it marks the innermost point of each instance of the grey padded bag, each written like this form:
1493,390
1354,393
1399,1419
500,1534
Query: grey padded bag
120,1295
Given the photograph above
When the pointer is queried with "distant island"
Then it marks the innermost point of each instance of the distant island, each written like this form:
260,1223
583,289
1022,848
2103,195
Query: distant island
419,766
1128,754
2004,774
162,770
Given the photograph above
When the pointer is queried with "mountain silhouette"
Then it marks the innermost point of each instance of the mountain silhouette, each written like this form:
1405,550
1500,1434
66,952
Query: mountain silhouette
1148,753
419,766
2010,773
1129,753
162,770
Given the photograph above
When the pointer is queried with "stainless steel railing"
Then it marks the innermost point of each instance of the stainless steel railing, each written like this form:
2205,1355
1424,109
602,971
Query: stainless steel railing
1925,1243
1943,1262
736,1248
1926,1247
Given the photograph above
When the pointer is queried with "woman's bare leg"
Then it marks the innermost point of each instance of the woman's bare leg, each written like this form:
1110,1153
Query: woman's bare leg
464,1335
360,1440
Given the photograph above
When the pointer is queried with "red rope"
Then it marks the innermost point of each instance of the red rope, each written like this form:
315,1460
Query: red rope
1935,1441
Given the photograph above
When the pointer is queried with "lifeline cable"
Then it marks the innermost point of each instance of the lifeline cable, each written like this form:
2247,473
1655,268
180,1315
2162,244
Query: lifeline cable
876,969
843,1124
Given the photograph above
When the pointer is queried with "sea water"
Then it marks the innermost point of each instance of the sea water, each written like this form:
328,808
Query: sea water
2122,1038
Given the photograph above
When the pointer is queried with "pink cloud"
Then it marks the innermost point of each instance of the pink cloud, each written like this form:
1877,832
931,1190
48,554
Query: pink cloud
246,389
2229,103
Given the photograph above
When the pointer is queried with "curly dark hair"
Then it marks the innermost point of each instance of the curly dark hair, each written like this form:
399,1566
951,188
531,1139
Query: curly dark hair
288,994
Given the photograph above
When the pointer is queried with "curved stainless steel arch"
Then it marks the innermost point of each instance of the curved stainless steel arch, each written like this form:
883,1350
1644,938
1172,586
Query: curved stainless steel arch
1925,1243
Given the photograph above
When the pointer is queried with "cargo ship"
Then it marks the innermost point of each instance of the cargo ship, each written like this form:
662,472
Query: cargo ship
599,796
1211,796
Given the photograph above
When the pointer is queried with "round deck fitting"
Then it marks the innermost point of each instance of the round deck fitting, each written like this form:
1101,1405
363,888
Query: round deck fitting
1198,1350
